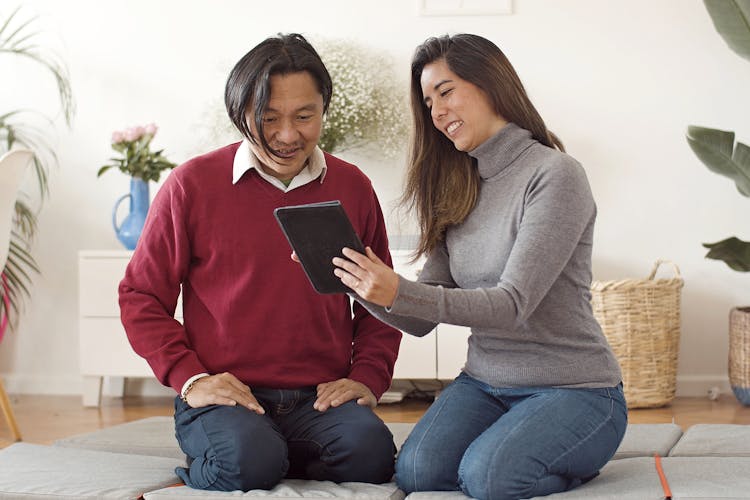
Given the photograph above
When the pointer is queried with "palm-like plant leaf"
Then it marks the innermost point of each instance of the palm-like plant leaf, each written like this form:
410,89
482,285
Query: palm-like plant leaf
25,220
733,251
716,149
732,20
17,38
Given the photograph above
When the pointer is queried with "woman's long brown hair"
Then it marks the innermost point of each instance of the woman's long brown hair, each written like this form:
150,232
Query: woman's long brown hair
442,183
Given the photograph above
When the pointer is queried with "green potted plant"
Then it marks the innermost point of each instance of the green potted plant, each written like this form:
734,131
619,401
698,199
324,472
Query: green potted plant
718,151
142,165
21,127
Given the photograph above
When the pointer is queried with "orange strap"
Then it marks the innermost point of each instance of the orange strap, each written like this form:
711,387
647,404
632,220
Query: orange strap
175,485
662,478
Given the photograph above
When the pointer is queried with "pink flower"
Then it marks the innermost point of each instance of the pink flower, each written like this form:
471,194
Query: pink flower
135,157
132,134
117,137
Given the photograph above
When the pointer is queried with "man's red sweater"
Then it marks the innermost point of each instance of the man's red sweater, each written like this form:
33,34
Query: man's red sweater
248,308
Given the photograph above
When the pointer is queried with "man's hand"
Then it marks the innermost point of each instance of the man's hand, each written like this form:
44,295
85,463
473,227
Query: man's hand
342,390
222,389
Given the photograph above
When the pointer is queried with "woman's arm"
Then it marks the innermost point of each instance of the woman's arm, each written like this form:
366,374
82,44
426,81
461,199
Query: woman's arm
382,284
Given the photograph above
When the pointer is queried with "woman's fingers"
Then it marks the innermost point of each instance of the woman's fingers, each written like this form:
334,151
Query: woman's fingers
350,267
356,257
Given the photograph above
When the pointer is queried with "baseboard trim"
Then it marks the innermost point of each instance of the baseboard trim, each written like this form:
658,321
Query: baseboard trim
72,385
57,385
709,386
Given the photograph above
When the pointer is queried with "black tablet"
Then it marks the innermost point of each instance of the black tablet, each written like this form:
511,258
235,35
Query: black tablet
317,232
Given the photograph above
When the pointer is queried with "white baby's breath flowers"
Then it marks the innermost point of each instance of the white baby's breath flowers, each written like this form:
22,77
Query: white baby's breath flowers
369,108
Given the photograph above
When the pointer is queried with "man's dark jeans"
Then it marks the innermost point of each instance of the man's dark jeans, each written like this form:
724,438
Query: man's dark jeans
232,448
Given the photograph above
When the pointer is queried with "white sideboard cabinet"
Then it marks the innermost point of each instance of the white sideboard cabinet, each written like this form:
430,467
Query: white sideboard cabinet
103,346
106,352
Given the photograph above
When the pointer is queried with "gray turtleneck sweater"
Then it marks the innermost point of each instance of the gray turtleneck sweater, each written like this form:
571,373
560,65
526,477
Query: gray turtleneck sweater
518,272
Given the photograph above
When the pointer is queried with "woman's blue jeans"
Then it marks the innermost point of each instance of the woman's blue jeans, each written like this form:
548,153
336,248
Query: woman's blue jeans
232,448
511,443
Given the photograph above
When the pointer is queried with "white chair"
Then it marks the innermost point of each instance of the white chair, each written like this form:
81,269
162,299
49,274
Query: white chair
13,166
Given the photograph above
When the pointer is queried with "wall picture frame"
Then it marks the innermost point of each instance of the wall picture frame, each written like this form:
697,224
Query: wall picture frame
464,7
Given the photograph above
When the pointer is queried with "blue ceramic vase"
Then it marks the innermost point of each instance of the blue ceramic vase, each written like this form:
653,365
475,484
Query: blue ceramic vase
130,230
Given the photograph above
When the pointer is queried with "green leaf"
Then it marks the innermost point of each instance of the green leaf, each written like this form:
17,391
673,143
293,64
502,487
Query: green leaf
10,18
9,43
25,219
733,251
732,20
103,169
714,148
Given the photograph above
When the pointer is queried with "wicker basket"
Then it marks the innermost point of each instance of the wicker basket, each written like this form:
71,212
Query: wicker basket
739,353
641,320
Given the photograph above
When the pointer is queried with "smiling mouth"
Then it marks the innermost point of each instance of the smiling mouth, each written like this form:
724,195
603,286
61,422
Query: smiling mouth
451,129
287,152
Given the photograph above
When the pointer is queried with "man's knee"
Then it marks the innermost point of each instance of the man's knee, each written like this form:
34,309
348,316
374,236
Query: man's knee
364,452
245,462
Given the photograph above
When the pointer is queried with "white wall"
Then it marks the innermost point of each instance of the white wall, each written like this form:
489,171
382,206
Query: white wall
617,81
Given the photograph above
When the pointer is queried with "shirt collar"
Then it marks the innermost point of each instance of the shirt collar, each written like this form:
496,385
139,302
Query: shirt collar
245,160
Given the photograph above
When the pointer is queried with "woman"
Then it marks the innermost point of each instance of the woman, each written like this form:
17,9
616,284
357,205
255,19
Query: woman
507,224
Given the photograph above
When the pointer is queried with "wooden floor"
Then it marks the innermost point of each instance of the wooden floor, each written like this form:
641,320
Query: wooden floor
44,419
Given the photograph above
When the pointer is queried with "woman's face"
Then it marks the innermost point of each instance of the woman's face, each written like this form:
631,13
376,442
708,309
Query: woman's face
459,109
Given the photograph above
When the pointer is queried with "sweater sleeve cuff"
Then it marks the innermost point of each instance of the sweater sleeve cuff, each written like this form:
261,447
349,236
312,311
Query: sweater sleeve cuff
417,300
182,374
372,378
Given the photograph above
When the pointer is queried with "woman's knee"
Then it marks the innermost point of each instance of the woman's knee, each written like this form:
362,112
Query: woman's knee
509,473
420,469
482,479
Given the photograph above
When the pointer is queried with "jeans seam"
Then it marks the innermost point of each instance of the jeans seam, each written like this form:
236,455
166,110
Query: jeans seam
604,422
489,474
416,448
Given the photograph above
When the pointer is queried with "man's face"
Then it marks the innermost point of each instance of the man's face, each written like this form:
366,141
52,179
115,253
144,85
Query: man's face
292,124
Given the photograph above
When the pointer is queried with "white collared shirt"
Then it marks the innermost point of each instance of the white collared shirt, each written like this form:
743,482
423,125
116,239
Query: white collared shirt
244,160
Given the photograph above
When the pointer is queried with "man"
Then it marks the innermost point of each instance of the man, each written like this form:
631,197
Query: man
274,379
